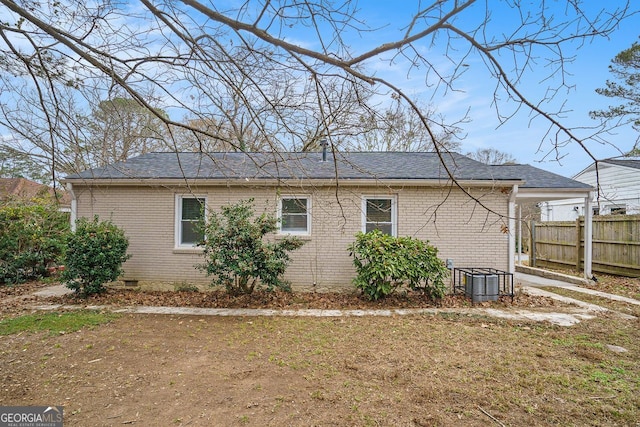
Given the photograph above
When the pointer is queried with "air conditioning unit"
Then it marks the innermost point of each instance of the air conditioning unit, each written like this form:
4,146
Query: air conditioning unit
481,287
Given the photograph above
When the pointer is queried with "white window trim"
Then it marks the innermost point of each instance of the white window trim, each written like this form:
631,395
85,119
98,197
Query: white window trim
294,196
394,211
177,239
615,208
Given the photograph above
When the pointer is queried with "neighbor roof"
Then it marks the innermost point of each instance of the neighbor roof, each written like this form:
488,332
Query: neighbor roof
344,166
630,163
26,189
20,187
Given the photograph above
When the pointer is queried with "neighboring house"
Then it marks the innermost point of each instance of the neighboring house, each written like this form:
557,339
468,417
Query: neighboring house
22,188
619,191
156,198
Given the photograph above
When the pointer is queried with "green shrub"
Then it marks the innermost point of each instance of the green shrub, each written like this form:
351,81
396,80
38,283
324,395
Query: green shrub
185,287
385,263
33,238
95,253
236,254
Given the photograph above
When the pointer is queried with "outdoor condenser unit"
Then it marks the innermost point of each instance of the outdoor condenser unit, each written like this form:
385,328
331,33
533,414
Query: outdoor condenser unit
481,287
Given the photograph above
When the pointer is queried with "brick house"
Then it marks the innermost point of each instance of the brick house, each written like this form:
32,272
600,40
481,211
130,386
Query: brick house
156,198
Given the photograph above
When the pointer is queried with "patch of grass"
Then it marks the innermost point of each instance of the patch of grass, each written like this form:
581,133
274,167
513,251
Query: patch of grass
577,340
55,323
317,394
251,356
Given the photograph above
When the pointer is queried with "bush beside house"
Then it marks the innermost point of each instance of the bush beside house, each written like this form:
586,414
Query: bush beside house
33,238
95,254
236,253
385,263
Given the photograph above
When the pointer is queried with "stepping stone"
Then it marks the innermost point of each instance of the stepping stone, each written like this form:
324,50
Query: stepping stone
616,348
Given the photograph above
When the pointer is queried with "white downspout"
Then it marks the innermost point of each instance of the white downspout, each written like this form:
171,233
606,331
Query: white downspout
588,236
74,207
512,228
519,234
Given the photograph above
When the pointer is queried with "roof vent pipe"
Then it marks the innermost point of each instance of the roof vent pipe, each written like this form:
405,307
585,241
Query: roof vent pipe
324,144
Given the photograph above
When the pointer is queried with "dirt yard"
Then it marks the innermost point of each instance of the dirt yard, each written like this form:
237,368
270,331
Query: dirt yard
445,370
404,371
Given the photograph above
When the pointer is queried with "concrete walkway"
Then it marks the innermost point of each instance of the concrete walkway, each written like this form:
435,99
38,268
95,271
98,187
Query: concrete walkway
53,291
530,284
530,280
538,281
562,319
567,300
612,297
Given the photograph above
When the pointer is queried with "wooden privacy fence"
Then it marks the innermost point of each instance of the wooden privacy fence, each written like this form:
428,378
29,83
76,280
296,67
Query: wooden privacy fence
616,244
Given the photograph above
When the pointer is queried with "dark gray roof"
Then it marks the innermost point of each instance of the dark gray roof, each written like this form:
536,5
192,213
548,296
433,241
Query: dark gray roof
630,163
539,178
345,165
349,165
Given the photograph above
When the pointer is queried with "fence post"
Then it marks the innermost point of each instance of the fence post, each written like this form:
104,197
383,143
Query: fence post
578,246
532,242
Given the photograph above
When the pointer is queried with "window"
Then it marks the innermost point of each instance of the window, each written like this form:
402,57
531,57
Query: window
618,210
294,215
379,213
190,211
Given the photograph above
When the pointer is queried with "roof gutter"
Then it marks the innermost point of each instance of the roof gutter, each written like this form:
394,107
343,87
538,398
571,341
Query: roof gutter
552,193
132,182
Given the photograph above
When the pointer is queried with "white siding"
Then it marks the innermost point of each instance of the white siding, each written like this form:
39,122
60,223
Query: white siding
619,187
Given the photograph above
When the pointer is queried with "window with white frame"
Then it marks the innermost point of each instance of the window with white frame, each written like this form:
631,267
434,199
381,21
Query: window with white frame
379,213
190,212
618,210
295,215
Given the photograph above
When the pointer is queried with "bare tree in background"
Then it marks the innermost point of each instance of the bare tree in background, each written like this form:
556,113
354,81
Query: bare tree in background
120,128
48,127
190,52
399,128
19,165
491,156
114,130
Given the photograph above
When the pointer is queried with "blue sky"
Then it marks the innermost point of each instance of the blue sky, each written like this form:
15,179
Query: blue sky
522,137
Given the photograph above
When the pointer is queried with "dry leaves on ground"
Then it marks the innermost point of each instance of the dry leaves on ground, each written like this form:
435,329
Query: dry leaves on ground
288,300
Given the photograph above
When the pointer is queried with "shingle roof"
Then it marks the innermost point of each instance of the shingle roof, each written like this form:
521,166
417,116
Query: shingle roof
538,178
350,165
345,165
20,187
630,163
27,189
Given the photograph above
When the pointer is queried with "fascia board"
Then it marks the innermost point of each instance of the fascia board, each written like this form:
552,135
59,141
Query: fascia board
128,182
